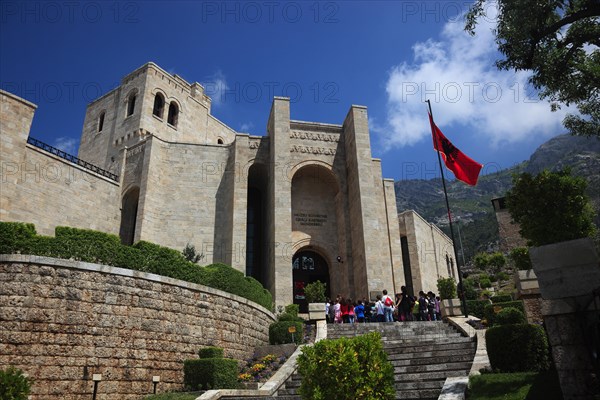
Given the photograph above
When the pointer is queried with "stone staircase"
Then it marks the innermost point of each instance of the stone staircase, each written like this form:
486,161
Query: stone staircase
423,354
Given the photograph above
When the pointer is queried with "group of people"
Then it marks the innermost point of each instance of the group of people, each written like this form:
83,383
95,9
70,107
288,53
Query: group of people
404,307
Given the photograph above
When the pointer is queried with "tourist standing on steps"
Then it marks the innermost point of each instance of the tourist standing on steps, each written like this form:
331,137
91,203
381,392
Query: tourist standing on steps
397,307
405,308
359,310
379,309
423,303
337,309
431,306
388,304
351,314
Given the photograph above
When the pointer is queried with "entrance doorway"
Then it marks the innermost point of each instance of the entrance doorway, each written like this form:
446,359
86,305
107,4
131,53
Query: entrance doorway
307,267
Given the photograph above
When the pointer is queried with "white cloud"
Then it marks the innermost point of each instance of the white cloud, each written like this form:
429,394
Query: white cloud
458,75
215,86
66,144
246,127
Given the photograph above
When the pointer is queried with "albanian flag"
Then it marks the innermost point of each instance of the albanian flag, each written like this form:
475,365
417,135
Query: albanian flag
464,168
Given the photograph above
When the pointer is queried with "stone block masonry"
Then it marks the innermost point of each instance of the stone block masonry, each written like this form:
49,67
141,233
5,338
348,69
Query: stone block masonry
63,321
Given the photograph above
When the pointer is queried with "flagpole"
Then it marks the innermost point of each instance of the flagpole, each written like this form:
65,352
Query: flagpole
460,281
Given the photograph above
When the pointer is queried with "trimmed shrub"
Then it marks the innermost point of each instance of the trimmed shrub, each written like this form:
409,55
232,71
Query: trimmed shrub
491,310
210,373
501,298
279,334
14,236
346,369
446,288
476,307
502,276
485,283
517,348
13,384
292,309
210,352
510,316
470,291
98,247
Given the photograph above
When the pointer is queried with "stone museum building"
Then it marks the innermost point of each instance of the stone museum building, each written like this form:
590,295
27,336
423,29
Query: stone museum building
306,201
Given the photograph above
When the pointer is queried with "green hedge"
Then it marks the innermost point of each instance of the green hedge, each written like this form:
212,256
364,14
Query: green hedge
210,352
501,298
517,348
103,248
278,332
346,369
509,316
476,307
210,373
491,309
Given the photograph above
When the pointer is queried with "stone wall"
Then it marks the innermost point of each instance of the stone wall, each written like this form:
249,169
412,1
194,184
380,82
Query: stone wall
42,188
63,321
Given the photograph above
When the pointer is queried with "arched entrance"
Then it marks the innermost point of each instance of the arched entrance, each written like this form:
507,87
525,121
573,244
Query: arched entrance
307,267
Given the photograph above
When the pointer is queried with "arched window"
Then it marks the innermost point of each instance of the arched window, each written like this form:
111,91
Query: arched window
131,104
219,141
159,105
101,121
173,114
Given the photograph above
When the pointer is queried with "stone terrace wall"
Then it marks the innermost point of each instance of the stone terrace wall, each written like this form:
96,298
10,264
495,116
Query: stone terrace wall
62,321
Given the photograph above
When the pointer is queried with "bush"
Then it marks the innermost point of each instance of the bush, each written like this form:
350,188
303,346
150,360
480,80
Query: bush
279,333
502,276
520,257
510,316
470,291
210,373
485,283
501,298
315,292
446,288
347,369
491,310
14,236
98,247
13,384
476,307
210,352
292,309
517,348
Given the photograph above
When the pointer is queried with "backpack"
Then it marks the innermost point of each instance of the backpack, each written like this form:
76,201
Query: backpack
388,301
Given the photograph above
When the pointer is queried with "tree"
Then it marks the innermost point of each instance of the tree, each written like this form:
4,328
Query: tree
550,207
190,254
559,41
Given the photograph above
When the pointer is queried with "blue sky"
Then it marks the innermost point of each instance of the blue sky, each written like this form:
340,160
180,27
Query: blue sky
389,56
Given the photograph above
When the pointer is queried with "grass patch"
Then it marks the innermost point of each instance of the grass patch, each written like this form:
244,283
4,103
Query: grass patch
174,396
515,386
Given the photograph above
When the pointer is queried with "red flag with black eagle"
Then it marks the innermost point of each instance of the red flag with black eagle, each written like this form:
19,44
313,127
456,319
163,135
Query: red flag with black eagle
464,168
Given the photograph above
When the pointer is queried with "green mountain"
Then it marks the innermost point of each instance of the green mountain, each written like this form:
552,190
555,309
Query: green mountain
471,206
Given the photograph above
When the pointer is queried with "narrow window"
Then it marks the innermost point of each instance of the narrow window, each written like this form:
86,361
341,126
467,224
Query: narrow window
219,141
159,105
131,104
173,114
101,121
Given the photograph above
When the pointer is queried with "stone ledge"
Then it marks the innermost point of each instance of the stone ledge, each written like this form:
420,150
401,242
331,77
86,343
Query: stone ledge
454,388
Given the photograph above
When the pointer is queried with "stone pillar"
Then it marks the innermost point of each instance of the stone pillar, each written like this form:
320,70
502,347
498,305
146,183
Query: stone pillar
280,203
569,277
528,290
372,272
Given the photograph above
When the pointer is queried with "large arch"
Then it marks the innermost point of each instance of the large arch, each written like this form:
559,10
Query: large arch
129,210
316,230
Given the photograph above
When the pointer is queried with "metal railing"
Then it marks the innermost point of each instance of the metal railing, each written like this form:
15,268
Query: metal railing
72,158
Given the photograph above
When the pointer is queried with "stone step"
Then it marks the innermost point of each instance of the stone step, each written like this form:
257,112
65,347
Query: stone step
419,385
466,357
440,344
428,376
411,369
421,394
399,355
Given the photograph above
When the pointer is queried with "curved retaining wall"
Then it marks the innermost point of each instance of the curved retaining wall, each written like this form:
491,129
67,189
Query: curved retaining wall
62,321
